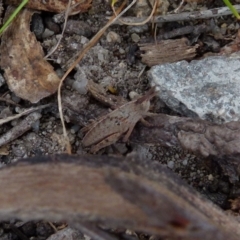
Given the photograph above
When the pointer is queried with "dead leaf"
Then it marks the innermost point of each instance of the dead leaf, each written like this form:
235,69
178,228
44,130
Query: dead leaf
55,5
28,75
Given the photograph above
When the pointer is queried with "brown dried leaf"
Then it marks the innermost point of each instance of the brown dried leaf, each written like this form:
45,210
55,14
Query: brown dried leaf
28,75
55,5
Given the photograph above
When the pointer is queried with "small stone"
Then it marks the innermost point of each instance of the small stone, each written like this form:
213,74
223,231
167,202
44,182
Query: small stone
121,148
47,33
135,37
210,177
192,175
113,37
14,123
138,29
81,87
51,25
224,25
78,27
59,72
81,82
231,26
15,98
2,80
58,18
67,233
133,95
74,129
185,162
170,164
121,51
36,126
5,112
37,26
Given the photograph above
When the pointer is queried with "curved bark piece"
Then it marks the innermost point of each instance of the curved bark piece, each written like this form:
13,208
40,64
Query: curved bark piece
117,192
162,131
199,136
220,142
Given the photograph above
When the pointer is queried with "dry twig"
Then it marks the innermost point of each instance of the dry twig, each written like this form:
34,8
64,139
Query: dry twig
25,112
184,16
138,23
20,129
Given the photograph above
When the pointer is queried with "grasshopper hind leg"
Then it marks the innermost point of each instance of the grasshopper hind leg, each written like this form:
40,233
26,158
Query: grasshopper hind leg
106,142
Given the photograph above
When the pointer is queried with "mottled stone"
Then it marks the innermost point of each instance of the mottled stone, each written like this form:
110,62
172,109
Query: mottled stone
2,80
207,88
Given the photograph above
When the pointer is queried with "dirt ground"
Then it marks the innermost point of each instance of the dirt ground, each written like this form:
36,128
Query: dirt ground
115,64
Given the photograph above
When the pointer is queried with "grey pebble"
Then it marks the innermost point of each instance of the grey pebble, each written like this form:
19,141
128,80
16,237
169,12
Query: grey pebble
135,37
170,164
2,80
47,33
138,29
37,26
78,27
185,162
51,25
113,37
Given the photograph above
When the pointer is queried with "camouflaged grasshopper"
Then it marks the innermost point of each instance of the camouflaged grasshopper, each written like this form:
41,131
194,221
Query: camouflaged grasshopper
111,127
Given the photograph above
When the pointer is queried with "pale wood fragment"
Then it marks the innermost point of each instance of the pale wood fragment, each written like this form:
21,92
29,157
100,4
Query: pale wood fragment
184,16
167,51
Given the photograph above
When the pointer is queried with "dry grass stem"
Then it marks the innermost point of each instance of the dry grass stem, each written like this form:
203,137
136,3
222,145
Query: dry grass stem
25,112
91,43
140,23
67,13
183,16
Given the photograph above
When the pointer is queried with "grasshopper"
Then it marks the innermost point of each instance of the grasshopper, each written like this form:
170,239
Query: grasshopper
122,120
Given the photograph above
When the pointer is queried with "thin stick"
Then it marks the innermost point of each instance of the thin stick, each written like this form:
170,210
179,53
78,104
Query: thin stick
25,112
91,43
22,127
63,30
9,101
184,16
137,23
179,7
